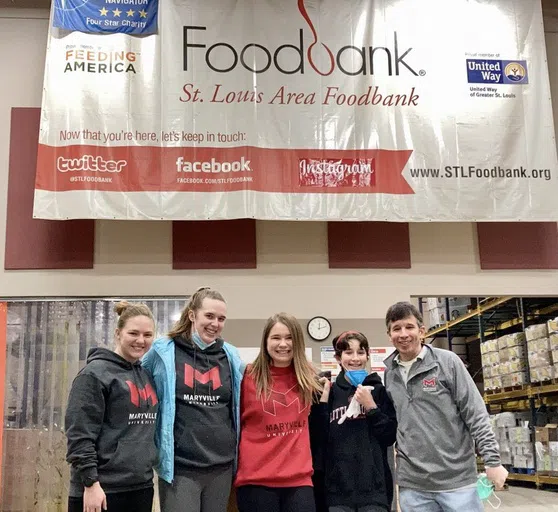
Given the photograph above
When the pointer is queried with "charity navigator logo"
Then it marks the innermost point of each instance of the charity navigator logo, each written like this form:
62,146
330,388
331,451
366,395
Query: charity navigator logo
490,71
294,58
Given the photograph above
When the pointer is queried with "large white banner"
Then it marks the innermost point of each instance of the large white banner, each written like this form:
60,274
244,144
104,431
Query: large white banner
399,110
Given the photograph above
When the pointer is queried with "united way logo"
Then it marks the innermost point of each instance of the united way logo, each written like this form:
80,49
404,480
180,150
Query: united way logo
515,72
490,71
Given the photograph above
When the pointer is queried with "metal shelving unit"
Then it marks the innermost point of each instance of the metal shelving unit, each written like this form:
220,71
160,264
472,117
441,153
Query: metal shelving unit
498,314
494,317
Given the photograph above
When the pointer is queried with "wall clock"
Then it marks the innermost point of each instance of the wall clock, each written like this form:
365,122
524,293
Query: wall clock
319,328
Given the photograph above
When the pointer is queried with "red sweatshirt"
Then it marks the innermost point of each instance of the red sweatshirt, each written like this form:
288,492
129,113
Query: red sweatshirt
274,439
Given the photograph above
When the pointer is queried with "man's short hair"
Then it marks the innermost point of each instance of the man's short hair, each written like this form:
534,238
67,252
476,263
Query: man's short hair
402,310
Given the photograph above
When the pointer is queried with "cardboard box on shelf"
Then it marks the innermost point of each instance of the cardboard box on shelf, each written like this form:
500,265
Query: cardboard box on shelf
492,383
539,359
547,433
555,357
509,353
542,373
504,444
514,379
506,458
536,331
538,345
487,371
523,462
519,435
457,311
506,419
553,339
513,366
543,460
502,342
437,317
515,339
525,449
490,358
434,303
552,325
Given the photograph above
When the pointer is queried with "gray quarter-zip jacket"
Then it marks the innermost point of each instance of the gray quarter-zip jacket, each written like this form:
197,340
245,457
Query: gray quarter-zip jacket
441,417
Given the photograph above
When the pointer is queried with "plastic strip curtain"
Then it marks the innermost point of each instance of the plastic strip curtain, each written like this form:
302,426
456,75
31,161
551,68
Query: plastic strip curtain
46,345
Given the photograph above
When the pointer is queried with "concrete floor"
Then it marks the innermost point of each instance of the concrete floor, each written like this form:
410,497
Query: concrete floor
523,499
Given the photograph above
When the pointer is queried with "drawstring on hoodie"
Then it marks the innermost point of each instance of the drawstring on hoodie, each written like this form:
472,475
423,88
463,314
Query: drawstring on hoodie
195,367
208,365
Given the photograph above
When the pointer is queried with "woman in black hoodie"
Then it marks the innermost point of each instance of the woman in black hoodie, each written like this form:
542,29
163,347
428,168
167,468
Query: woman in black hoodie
110,422
353,449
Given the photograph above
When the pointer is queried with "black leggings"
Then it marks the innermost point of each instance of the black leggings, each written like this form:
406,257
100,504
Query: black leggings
254,498
132,501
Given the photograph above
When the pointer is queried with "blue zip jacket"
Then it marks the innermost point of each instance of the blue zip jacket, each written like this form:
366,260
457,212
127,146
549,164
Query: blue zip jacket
160,362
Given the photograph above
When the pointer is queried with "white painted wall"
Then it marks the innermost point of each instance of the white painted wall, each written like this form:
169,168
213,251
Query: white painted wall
134,258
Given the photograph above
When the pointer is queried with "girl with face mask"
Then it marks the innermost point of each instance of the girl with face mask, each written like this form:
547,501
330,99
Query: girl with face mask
197,377
354,450
275,461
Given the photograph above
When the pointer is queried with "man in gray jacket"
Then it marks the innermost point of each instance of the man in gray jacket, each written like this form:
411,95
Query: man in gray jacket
441,420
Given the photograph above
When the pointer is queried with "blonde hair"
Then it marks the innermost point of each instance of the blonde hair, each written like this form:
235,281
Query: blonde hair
306,376
184,325
126,310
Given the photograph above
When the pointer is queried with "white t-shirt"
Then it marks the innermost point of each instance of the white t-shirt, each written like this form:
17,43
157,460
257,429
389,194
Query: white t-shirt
405,366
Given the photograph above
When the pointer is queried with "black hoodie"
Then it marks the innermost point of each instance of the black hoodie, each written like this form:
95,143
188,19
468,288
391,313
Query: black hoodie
110,424
354,454
204,435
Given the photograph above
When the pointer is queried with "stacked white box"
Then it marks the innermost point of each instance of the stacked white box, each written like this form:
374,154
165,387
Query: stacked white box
438,309
539,349
490,357
513,359
534,332
515,439
552,326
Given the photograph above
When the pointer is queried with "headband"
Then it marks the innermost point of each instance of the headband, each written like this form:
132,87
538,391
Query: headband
342,336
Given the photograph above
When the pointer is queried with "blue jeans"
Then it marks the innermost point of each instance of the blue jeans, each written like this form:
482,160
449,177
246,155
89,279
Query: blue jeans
466,500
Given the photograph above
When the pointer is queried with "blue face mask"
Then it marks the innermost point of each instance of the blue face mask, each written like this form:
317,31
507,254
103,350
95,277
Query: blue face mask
202,345
356,377
485,489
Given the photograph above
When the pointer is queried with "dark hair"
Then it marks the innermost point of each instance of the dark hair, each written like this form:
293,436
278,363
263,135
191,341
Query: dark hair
184,325
400,311
341,342
126,310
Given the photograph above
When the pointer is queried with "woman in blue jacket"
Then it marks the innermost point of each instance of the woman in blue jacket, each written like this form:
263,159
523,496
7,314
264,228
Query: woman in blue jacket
197,378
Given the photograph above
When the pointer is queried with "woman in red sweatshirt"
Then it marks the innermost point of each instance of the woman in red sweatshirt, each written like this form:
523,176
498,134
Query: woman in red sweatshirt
274,461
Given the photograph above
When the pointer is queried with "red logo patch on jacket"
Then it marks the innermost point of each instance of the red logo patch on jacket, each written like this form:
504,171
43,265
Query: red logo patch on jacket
429,384
139,396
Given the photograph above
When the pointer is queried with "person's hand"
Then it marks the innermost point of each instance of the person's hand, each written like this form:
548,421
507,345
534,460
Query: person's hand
497,476
324,381
94,498
364,397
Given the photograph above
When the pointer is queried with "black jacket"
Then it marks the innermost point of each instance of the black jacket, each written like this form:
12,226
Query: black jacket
353,455
110,424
